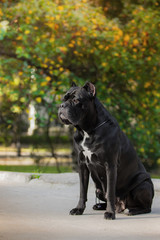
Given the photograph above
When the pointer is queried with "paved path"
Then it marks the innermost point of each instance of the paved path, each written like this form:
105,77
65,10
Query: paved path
38,210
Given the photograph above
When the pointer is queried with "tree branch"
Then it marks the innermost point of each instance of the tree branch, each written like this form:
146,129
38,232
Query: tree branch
23,59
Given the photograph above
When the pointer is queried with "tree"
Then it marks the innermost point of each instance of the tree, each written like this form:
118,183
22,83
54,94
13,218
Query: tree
49,43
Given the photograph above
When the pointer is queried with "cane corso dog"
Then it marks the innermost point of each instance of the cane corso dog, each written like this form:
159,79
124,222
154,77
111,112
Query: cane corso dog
105,153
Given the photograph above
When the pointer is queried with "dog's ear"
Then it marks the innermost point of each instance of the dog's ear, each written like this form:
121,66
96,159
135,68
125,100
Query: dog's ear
73,84
90,88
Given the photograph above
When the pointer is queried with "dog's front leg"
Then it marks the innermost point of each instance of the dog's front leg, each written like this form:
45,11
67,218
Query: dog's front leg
84,180
111,172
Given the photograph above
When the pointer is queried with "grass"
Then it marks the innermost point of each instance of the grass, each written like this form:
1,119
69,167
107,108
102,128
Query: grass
155,176
59,148
46,169
35,169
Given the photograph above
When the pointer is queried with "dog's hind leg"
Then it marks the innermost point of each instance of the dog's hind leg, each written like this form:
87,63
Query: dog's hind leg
100,196
120,205
100,193
139,200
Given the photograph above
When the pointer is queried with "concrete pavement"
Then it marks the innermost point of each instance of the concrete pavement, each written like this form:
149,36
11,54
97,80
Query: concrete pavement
38,210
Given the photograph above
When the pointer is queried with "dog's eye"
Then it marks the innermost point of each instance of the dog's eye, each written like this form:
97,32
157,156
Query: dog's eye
76,101
65,98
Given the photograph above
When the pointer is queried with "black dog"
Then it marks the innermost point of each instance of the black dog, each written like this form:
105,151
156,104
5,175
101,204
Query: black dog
103,150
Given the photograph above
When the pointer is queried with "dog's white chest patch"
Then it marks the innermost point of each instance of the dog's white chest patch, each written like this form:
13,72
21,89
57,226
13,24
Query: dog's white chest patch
87,153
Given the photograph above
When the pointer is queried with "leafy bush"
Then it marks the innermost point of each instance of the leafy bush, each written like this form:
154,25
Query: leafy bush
41,140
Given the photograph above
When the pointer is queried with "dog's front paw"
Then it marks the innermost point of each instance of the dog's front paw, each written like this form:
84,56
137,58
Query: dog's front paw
109,215
77,211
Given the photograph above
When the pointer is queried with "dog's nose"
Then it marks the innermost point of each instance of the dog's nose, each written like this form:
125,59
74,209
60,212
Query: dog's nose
62,105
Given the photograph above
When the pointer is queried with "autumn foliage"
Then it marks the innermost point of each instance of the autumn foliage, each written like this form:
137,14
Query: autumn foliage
45,45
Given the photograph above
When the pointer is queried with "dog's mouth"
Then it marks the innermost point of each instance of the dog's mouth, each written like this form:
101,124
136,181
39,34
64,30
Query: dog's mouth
64,119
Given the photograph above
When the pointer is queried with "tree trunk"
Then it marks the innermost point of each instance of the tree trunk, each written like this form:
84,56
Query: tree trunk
49,140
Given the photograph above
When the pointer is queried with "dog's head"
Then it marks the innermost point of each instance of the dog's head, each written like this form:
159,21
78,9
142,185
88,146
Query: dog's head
77,104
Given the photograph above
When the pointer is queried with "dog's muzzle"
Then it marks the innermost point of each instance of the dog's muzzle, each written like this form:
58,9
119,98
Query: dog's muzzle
62,116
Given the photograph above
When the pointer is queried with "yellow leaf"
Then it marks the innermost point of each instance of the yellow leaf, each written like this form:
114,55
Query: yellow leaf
46,60
27,20
27,32
78,33
135,42
58,17
84,29
1,13
19,38
101,46
116,37
120,32
34,87
48,78
71,45
126,38
104,64
51,18
134,49
38,99
158,161
63,49
106,48
52,92
60,59
142,150
16,109
27,110
60,8
44,84
59,83
94,35
14,97
44,65
78,43
16,80
147,84
94,20
22,99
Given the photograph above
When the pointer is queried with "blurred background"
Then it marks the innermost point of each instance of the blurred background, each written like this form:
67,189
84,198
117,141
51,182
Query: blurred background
47,44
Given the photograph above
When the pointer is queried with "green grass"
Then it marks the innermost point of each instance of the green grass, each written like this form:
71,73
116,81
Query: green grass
155,176
59,148
45,169
35,169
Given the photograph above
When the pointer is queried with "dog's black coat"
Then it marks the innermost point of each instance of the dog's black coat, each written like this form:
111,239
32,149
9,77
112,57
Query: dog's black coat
106,153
